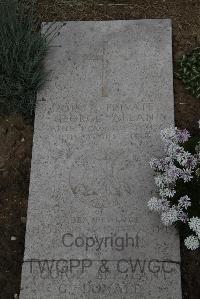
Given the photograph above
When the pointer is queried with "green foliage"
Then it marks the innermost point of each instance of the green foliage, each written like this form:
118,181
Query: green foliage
188,70
22,52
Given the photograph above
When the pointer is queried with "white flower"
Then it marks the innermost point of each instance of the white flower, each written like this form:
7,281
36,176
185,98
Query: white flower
166,192
153,204
191,242
158,205
165,204
160,164
169,134
174,135
183,135
173,150
184,202
191,162
194,224
168,179
170,216
186,175
182,216
173,173
178,165
160,181
183,157
154,163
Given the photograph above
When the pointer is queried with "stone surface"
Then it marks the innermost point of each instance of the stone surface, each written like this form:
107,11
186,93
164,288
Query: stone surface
89,232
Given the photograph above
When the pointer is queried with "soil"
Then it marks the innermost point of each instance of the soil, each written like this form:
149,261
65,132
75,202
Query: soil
16,133
15,158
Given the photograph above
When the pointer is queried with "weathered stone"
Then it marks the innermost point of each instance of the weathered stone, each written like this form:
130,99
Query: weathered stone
97,126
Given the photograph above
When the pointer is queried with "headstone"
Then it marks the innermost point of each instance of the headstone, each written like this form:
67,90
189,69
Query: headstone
89,232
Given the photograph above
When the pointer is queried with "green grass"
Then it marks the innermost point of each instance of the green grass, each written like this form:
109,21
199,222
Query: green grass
188,70
22,52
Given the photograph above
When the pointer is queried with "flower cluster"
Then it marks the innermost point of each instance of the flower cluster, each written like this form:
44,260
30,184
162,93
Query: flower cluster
178,165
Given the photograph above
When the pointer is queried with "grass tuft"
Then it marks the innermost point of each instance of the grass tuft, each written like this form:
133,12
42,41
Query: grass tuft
22,52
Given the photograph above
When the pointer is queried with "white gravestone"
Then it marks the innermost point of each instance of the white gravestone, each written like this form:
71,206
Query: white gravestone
89,232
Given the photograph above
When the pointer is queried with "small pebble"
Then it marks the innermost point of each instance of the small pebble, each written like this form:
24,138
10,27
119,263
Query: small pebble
16,296
13,238
22,140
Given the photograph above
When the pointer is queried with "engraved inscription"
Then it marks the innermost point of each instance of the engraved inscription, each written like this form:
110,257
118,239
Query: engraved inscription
102,178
